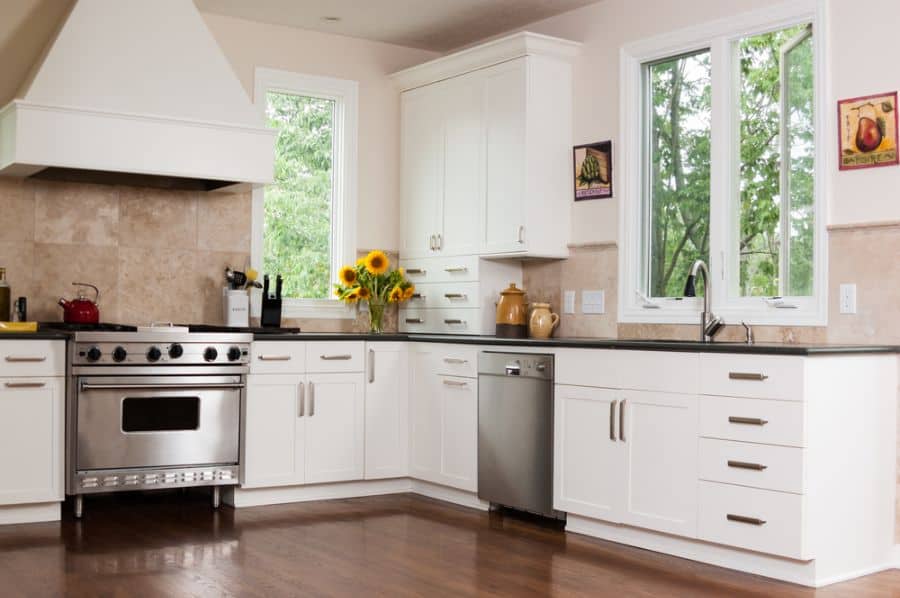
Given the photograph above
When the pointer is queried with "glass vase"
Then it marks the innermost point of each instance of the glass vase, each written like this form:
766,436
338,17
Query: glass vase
376,317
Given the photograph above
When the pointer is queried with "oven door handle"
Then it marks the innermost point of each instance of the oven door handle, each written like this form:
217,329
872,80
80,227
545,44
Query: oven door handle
202,386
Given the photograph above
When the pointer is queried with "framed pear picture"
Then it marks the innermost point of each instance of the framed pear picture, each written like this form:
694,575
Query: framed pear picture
867,131
593,170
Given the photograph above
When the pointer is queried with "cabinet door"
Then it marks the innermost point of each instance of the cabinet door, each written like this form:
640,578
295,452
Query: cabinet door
31,440
274,430
589,472
422,147
661,444
463,178
424,416
335,425
459,432
505,99
387,411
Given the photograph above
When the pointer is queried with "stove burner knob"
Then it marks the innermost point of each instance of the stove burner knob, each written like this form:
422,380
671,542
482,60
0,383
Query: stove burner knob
154,354
119,354
210,354
234,354
94,354
176,351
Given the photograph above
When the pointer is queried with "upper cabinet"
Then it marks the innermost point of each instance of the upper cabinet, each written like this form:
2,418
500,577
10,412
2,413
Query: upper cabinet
486,150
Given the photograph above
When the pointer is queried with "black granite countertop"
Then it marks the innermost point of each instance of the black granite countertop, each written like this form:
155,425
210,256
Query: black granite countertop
40,335
596,343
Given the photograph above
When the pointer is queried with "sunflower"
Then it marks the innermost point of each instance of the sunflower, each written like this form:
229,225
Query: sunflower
348,275
377,262
409,292
396,295
352,296
338,292
364,293
361,261
401,272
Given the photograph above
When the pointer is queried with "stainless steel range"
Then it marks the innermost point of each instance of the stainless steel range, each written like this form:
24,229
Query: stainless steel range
150,409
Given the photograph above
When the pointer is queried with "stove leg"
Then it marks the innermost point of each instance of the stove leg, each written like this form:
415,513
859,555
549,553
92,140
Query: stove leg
79,506
216,497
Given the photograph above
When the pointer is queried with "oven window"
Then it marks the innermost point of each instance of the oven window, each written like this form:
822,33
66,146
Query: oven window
160,414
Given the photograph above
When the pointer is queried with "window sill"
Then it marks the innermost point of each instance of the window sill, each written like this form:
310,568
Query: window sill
315,309
768,316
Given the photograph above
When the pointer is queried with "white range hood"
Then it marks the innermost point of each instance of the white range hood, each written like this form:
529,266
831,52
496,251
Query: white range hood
136,92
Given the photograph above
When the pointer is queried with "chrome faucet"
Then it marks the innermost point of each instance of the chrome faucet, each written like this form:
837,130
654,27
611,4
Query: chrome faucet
710,325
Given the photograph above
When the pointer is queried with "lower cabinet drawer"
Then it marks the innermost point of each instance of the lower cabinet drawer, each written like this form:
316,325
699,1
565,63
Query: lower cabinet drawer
752,420
277,357
335,356
457,360
760,520
756,465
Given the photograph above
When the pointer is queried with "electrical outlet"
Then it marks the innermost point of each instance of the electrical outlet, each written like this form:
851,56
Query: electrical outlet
593,302
569,302
848,298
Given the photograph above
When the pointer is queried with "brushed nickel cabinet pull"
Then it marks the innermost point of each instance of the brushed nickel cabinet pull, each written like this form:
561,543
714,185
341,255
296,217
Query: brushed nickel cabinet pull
452,269
612,420
26,384
14,359
747,376
744,465
312,399
750,421
432,243
415,321
371,366
300,396
415,271
742,519
417,296
455,383
456,361
440,242
521,235
274,357
454,321
455,295
344,357
622,420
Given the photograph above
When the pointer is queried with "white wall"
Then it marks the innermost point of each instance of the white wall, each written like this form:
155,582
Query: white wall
248,45
863,54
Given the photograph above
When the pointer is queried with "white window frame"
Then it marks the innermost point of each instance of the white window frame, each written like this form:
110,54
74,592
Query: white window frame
719,37
345,94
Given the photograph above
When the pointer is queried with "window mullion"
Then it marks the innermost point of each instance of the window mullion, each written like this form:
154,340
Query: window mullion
722,144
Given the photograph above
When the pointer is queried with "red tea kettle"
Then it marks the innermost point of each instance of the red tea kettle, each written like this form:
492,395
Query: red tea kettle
82,310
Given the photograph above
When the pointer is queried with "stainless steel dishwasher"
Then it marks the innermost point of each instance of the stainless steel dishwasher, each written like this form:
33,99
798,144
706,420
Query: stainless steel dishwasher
515,431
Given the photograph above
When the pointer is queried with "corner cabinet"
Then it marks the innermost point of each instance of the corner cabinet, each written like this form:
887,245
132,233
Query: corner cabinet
486,148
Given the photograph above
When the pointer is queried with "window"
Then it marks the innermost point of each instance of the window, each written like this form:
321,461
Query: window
722,166
304,222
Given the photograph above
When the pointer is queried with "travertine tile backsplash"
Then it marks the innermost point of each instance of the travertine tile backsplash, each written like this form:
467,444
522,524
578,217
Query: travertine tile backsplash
155,255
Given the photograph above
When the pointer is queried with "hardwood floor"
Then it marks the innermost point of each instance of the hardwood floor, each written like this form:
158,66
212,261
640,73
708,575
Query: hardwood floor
402,545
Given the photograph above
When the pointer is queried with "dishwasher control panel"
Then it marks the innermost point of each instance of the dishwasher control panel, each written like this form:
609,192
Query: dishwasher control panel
523,365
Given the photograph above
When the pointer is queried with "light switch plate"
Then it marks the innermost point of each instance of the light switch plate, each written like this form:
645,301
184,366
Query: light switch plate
848,298
569,302
593,302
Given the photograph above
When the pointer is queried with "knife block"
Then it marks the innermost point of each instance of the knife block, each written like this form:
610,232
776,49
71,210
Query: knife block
271,313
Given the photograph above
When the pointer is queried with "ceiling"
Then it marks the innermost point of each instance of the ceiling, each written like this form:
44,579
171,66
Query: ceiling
26,26
438,25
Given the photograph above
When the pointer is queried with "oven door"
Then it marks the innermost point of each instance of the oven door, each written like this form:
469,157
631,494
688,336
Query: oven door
159,421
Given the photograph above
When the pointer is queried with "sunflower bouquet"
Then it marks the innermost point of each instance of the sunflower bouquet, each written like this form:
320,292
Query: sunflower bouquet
371,280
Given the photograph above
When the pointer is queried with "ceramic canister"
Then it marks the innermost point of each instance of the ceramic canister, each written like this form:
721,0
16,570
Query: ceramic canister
512,311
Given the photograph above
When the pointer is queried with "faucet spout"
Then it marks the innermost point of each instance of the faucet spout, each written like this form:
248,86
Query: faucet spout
710,325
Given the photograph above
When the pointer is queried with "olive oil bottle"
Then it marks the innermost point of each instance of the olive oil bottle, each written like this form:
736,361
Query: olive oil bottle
4,296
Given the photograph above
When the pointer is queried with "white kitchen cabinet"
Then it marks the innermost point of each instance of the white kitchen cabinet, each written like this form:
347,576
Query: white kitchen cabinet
459,432
274,431
486,157
659,435
335,423
589,467
443,422
387,411
31,439
422,148
304,428
424,415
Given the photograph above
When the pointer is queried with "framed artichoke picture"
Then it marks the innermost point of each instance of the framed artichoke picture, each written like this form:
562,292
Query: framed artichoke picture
593,170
